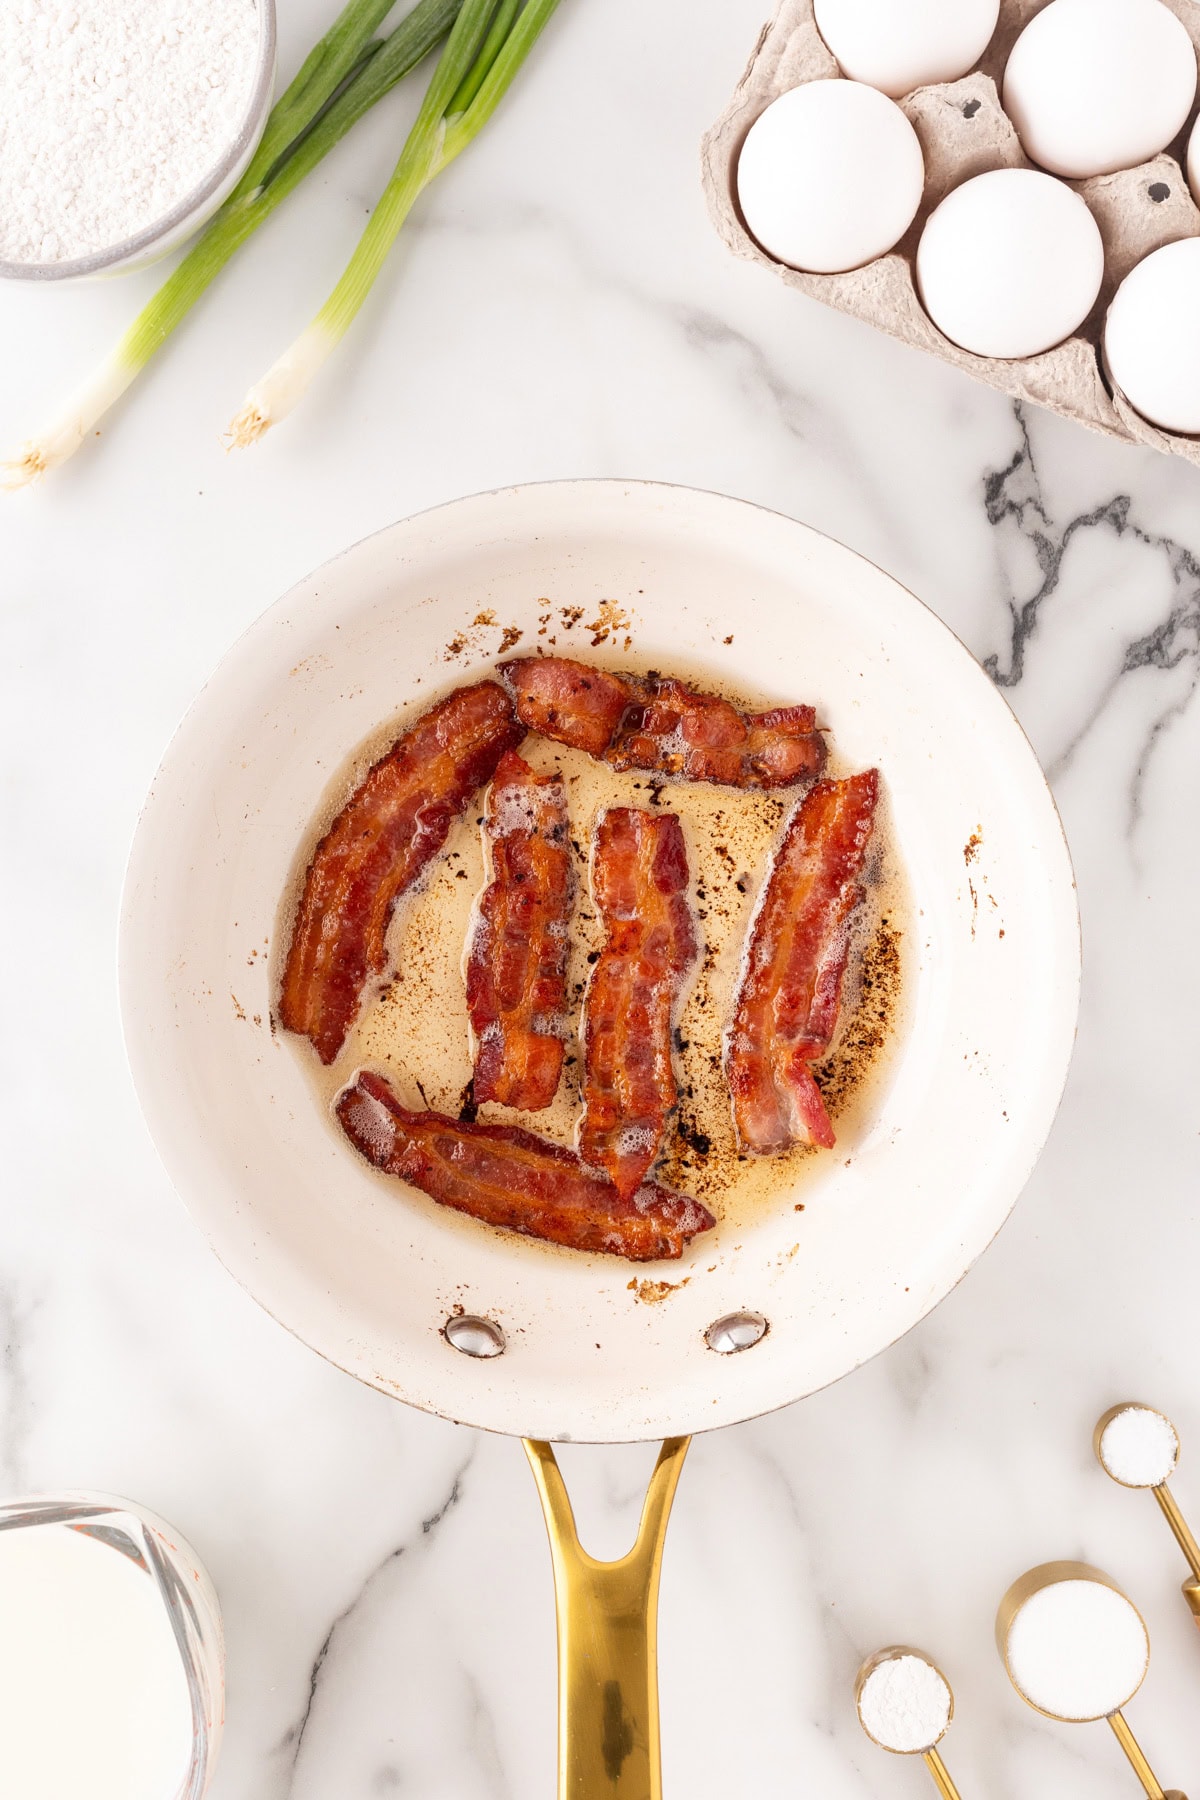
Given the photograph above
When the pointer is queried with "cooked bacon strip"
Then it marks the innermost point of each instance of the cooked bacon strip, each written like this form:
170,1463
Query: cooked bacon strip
700,737
654,723
569,701
396,820
640,880
517,961
787,1004
508,1177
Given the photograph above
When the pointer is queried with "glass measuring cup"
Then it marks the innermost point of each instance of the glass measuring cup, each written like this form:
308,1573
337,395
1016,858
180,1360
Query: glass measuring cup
154,1698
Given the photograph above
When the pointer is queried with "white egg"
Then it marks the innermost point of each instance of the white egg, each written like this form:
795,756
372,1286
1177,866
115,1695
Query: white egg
830,176
1098,85
1010,263
1152,337
898,45
1193,162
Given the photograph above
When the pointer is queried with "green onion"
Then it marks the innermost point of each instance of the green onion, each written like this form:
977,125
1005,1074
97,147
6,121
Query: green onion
341,79
483,53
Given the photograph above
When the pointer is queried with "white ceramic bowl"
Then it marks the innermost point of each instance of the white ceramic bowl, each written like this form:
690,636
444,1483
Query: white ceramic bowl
196,208
368,1271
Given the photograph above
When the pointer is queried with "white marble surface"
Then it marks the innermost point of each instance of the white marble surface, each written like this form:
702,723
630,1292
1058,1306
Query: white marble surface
561,307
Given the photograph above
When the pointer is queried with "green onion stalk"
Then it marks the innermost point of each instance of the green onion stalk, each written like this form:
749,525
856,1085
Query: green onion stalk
488,43
346,73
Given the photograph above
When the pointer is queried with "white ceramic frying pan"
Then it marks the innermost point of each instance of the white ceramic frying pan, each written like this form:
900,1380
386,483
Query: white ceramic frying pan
370,1276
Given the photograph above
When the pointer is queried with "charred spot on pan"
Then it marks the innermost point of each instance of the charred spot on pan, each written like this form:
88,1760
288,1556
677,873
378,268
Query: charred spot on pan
869,1025
651,1293
693,1137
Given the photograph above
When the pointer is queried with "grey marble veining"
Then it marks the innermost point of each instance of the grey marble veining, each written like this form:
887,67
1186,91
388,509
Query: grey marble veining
561,307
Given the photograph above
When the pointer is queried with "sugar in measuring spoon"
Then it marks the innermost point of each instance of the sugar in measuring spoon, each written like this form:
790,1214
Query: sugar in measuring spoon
1139,1448
905,1705
1077,1649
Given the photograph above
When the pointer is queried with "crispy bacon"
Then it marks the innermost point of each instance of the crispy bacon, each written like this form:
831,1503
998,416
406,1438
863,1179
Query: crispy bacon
787,1004
640,880
655,723
509,1177
568,701
517,961
396,820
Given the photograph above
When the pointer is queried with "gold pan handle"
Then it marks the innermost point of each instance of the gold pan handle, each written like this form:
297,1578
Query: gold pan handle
608,1744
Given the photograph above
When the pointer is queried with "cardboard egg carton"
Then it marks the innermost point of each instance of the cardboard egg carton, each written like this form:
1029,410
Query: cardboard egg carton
964,130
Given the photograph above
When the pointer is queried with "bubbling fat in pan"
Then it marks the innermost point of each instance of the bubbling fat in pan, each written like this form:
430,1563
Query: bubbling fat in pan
413,1027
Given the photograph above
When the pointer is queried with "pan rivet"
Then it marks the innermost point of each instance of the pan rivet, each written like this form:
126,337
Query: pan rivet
474,1336
736,1331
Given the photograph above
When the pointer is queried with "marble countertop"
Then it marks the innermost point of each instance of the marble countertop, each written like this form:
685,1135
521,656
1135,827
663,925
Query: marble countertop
560,306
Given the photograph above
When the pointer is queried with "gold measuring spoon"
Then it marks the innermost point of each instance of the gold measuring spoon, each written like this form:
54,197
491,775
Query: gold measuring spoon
1139,1447
1076,1648
899,1704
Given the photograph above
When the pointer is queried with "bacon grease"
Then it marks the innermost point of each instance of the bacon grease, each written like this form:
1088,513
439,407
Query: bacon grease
415,1028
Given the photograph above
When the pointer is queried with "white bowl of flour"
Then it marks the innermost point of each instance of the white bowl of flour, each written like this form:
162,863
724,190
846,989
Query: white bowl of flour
123,126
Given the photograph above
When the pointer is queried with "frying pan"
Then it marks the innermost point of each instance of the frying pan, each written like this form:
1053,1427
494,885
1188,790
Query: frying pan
372,1275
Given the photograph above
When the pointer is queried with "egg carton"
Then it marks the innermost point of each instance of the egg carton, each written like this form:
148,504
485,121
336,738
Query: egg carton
964,131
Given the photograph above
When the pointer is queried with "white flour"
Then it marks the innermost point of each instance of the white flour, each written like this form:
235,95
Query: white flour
905,1704
111,112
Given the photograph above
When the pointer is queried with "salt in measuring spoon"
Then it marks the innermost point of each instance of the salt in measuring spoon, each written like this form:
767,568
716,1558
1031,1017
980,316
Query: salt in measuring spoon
905,1705
1076,1648
1139,1447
